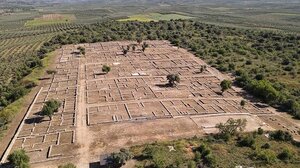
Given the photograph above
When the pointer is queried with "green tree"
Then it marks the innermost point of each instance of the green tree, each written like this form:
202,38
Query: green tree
144,46
106,68
133,47
173,79
19,159
243,103
125,51
202,68
225,85
139,40
260,131
119,159
231,127
81,50
50,107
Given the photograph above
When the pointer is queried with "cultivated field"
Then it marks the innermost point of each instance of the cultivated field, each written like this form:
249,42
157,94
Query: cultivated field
155,17
131,104
51,19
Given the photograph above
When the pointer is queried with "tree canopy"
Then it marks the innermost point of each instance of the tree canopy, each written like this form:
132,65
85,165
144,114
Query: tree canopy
173,79
50,107
225,85
19,159
106,68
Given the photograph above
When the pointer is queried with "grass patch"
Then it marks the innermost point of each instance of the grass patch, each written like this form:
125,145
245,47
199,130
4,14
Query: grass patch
38,72
154,17
50,19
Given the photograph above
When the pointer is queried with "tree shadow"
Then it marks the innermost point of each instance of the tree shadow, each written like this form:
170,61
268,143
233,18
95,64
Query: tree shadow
34,120
101,73
219,93
6,165
167,85
39,113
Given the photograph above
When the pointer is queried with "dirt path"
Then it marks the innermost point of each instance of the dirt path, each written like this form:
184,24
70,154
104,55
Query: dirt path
83,137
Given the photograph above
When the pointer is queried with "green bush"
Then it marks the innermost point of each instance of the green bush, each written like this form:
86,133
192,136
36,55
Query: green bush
19,159
266,146
280,135
119,159
268,156
285,155
246,141
225,85
260,131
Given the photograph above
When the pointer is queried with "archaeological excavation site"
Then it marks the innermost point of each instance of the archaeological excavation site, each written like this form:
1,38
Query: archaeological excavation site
132,103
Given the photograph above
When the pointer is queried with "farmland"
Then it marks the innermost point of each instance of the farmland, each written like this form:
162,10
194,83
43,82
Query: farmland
154,17
50,19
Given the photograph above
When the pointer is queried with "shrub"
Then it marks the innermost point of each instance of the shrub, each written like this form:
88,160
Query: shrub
260,131
285,155
247,141
280,135
68,165
266,146
267,156
19,159
203,154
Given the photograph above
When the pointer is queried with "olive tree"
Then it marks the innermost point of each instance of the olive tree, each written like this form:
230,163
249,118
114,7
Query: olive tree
106,69
225,85
231,127
144,46
173,79
243,103
50,107
81,50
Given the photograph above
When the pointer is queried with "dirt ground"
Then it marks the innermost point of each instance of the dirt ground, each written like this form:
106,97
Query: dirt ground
131,104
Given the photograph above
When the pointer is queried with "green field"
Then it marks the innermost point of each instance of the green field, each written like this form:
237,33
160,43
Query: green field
51,19
155,17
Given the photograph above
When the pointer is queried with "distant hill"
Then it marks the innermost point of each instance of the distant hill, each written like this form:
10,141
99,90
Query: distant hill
244,2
